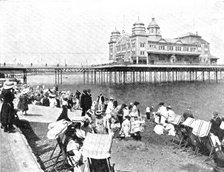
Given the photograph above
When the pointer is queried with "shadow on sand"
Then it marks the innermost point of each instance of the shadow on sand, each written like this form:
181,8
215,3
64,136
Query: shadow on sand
34,133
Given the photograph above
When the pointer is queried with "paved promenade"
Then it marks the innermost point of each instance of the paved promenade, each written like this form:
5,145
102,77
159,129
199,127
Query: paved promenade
15,153
45,114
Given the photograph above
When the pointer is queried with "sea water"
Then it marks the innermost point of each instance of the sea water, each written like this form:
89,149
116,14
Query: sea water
202,97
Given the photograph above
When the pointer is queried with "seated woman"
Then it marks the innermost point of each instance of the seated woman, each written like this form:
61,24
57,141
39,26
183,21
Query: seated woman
114,126
75,142
99,123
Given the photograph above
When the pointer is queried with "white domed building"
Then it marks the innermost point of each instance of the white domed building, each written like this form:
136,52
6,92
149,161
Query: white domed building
149,47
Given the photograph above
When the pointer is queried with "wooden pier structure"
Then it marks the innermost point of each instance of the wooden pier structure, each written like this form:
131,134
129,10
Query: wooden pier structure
125,73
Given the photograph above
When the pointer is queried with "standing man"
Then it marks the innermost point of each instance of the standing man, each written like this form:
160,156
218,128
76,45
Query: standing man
7,112
89,99
100,101
84,101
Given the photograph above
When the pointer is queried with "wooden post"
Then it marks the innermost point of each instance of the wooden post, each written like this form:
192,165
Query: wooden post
216,75
203,75
133,75
61,76
209,75
55,77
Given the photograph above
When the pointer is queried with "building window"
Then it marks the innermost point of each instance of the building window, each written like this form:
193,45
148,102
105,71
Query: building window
142,44
133,44
133,52
142,53
161,58
178,48
192,49
185,48
128,44
161,47
170,47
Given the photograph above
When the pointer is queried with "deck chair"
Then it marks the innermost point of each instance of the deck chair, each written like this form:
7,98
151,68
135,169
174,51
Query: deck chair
97,150
201,129
188,123
59,159
215,143
176,122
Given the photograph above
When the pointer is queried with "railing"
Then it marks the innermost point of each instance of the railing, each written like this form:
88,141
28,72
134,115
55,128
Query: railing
108,64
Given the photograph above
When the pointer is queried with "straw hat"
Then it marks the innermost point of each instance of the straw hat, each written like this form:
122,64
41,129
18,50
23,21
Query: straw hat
25,91
8,84
98,113
136,103
161,103
80,133
90,112
169,107
52,95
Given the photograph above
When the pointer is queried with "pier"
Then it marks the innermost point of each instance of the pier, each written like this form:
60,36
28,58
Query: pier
125,73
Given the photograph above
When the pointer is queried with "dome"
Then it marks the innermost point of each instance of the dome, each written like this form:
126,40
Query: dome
114,35
140,23
138,28
153,23
115,31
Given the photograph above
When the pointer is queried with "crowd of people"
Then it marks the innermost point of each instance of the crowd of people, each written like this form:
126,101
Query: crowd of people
100,116
200,134
165,116
105,114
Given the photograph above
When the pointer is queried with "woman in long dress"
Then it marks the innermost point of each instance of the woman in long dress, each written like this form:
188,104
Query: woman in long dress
23,102
7,111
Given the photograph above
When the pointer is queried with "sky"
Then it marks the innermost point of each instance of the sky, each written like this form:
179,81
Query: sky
78,31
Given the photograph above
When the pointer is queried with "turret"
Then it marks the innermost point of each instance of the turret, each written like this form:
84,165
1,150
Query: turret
154,30
138,28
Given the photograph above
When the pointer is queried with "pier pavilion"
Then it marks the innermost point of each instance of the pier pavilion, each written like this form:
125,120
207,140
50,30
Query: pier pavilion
149,47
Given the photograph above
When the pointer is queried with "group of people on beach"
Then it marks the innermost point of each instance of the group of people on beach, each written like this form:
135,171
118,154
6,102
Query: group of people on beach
104,116
200,134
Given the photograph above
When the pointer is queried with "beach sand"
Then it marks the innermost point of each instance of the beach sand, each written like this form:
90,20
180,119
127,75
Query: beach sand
154,152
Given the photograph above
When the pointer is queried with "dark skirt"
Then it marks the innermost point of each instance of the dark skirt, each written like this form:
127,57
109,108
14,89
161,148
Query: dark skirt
23,103
7,114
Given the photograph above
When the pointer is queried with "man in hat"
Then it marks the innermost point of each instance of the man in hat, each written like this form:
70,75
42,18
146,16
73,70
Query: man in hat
216,122
100,101
7,113
188,113
45,100
84,102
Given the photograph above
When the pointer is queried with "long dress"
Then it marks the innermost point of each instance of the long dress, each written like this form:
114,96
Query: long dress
7,111
23,102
